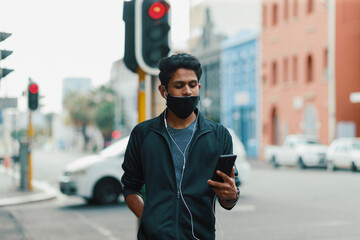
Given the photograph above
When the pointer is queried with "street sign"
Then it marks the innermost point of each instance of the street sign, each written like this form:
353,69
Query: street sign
8,103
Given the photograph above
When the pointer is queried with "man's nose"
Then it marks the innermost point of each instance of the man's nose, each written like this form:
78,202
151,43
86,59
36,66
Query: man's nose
187,91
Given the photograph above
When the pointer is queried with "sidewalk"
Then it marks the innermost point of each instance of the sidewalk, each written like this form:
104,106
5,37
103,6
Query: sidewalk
10,194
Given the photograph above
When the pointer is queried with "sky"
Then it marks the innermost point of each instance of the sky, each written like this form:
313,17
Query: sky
52,40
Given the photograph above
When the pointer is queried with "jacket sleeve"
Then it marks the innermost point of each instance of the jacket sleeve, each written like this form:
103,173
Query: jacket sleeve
228,149
133,178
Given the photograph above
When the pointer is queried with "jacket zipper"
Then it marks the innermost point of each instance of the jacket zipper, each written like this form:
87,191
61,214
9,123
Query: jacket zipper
178,191
177,215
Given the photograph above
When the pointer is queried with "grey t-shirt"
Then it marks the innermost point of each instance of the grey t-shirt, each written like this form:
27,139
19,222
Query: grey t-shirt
182,138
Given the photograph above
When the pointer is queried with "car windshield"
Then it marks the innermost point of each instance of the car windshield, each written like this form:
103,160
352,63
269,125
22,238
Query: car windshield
115,149
356,146
307,141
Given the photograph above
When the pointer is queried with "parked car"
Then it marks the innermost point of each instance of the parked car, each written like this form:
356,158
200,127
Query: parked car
97,178
298,150
241,163
344,153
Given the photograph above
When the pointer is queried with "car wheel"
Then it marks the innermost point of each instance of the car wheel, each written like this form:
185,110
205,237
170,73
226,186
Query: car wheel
274,162
301,164
333,167
107,191
353,167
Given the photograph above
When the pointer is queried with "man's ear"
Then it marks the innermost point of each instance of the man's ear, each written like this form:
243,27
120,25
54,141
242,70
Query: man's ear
199,85
162,91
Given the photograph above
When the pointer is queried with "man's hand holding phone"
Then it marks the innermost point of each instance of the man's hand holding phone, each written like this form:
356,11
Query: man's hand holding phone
225,188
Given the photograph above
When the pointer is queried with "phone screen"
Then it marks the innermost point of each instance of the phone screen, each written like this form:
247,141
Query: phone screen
225,164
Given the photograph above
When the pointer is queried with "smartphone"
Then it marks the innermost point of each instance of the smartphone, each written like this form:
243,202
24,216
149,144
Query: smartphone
225,164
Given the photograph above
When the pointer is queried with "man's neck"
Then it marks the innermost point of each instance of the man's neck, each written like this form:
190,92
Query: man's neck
179,123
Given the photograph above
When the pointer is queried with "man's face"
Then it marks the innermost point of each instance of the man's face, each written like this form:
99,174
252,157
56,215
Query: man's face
184,83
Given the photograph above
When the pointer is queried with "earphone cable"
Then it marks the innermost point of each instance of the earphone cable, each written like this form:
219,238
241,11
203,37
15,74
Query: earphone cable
182,174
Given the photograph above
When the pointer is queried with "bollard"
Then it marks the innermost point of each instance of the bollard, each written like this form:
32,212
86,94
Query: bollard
24,171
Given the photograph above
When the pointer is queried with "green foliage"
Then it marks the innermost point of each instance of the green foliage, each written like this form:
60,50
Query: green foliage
80,108
104,118
97,108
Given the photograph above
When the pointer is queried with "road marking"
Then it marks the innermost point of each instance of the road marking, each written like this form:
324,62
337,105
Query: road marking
244,208
105,232
334,223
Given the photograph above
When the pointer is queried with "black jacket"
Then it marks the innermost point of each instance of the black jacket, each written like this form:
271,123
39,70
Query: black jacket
148,161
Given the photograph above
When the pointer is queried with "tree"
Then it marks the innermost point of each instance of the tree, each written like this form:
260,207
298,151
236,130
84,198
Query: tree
105,111
96,107
104,119
80,108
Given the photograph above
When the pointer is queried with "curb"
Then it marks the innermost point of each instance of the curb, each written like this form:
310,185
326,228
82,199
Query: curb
46,192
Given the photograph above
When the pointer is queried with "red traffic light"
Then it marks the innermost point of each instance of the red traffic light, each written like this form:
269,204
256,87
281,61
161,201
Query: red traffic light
116,134
33,88
157,10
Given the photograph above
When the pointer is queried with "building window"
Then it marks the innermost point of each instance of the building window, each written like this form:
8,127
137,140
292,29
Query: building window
264,13
274,74
264,73
325,58
310,6
309,68
325,66
274,14
285,70
295,69
295,8
286,9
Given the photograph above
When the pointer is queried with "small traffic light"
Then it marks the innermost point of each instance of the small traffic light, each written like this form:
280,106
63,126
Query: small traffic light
4,54
33,96
155,29
152,33
129,19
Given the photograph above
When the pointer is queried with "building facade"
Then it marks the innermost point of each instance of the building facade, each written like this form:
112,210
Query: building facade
207,50
75,84
309,55
294,48
125,85
239,82
346,75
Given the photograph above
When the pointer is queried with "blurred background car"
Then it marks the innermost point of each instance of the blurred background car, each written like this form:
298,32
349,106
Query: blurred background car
344,153
241,163
96,178
298,150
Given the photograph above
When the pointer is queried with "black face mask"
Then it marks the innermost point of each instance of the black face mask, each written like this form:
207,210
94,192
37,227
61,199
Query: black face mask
182,106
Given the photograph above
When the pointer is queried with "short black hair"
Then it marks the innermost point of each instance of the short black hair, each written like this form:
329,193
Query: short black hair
169,65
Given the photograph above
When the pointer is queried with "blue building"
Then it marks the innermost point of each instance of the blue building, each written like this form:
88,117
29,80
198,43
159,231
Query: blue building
239,88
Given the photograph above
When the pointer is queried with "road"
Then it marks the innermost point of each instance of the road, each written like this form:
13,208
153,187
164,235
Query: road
284,203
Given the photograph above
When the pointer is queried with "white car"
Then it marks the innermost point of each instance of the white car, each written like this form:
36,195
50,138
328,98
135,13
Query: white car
344,153
96,177
241,163
301,150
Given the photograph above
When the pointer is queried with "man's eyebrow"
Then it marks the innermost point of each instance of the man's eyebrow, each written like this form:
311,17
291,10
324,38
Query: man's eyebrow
183,81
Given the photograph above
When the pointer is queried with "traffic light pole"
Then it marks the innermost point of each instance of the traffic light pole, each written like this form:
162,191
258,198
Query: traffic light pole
30,139
141,96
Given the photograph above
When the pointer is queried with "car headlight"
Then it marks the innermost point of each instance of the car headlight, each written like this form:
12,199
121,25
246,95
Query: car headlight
77,172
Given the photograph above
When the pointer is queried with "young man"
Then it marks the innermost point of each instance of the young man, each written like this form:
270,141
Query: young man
175,155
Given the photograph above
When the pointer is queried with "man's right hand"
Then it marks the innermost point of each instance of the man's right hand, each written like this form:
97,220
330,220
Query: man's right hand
136,204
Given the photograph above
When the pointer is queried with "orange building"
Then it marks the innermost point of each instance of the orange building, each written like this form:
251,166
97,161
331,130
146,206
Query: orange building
309,57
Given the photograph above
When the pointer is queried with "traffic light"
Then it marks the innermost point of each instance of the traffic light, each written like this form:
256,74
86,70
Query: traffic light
129,19
33,96
4,54
152,33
